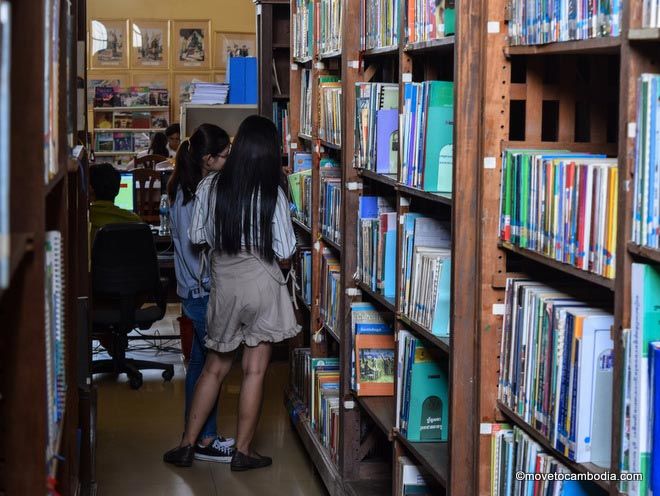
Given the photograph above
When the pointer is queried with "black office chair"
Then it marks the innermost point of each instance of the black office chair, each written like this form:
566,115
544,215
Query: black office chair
125,277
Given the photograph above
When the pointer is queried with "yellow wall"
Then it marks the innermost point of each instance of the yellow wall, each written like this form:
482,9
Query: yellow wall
225,15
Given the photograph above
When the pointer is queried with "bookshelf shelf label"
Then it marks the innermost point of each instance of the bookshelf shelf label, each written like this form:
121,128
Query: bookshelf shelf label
485,429
498,308
490,162
493,27
406,77
294,67
632,130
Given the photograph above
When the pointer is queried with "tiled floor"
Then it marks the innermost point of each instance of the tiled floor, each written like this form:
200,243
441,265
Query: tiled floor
135,428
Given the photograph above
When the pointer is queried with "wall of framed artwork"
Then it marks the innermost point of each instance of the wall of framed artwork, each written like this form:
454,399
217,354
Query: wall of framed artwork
151,79
181,82
191,45
150,44
108,44
227,44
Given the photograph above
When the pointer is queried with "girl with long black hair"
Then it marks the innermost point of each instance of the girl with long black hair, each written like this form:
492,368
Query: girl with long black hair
243,215
205,152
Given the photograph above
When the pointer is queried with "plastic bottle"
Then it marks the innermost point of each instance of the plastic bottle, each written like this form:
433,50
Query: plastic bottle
164,209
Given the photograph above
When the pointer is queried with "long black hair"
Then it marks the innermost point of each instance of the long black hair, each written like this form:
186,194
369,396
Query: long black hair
208,139
158,145
252,171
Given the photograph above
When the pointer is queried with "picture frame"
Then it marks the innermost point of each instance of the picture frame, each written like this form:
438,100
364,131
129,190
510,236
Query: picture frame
108,44
180,88
150,44
227,41
191,46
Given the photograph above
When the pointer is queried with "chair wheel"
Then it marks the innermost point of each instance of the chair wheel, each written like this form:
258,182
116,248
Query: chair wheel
168,374
135,382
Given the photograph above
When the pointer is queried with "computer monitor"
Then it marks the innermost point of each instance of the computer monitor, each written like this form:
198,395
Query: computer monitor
126,197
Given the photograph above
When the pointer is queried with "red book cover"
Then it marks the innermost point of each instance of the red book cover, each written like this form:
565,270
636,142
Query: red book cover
579,259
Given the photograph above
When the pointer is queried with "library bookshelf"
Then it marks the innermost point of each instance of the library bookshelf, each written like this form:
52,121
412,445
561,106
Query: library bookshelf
367,424
578,96
39,203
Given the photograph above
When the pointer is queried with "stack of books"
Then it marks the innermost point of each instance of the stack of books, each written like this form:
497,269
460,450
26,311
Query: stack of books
513,452
379,23
377,127
330,290
376,245
330,27
209,93
646,205
426,272
427,21
641,384
426,133
330,203
562,205
556,367
330,109
372,357
422,396
556,20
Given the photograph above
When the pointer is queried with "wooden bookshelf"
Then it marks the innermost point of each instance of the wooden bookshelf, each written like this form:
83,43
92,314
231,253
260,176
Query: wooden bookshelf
381,409
301,225
651,255
385,302
434,457
607,45
446,43
420,331
38,205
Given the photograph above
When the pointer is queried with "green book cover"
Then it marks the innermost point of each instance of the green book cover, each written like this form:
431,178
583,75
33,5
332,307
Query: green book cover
438,160
428,417
295,183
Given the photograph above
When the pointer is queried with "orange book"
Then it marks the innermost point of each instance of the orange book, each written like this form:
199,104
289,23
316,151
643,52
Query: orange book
374,364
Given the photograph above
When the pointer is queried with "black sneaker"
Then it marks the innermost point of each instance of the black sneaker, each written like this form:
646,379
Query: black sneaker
221,450
242,462
181,456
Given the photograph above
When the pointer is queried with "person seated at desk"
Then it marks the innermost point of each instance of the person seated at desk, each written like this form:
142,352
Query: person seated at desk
158,146
105,181
173,133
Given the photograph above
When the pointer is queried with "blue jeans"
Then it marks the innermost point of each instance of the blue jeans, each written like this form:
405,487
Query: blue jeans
195,310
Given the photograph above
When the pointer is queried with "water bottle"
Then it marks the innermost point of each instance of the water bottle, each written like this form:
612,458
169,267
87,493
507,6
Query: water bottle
164,210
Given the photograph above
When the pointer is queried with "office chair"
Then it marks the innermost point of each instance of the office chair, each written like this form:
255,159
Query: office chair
148,186
124,275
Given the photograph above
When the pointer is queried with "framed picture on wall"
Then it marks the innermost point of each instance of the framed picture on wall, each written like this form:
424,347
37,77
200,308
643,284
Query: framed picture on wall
108,44
191,44
151,79
150,44
181,90
114,80
233,45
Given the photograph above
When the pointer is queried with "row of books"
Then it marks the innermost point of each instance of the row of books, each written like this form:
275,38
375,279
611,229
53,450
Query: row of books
426,21
56,384
426,272
121,142
330,109
562,205
300,187
135,96
651,14
202,93
646,205
330,203
376,127
376,245
514,452
556,368
426,135
303,30
329,26
379,23
372,351
640,442
546,21
306,85
120,119
330,289
422,392
281,120
304,273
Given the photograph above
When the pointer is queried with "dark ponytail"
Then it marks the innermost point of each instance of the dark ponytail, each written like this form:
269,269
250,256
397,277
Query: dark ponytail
208,139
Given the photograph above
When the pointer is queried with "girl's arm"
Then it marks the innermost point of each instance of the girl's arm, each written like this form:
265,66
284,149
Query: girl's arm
198,232
284,237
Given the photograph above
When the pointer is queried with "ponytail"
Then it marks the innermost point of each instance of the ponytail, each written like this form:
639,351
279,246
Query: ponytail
184,176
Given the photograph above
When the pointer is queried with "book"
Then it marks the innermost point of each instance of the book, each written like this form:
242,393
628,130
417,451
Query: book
426,136
104,142
379,23
424,395
330,104
306,102
411,479
329,26
140,120
374,364
330,289
654,414
330,203
651,13
428,20
5,143
104,96
303,29
122,120
556,20
123,142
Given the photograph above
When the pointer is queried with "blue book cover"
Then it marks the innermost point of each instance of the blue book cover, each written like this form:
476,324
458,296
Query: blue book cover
578,488
440,326
654,356
302,161
387,124
389,279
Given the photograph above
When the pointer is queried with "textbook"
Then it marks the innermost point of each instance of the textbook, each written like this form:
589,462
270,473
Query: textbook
376,244
374,364
366,320
423,399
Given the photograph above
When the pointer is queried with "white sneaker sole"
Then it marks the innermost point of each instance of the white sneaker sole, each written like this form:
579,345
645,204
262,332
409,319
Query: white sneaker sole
209,458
